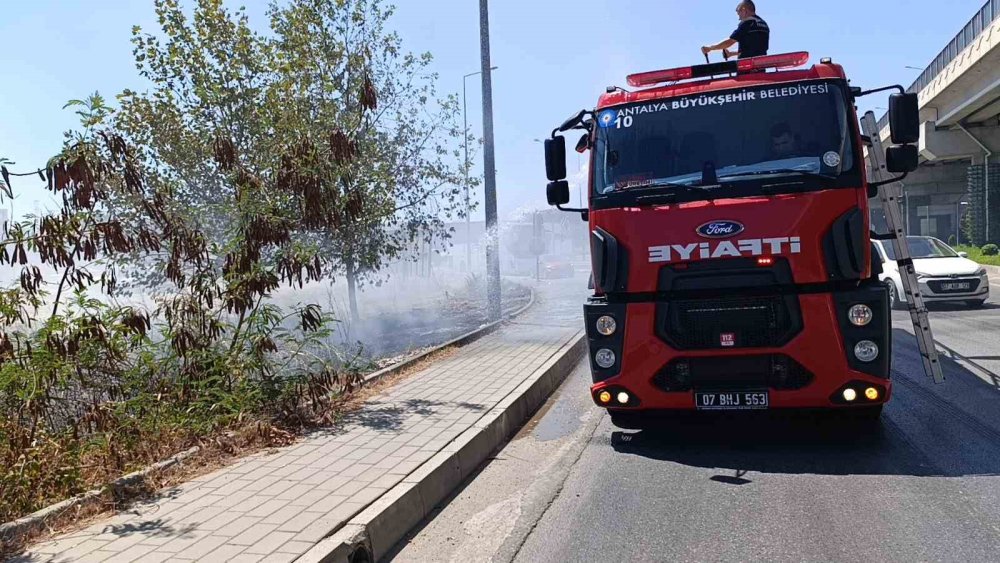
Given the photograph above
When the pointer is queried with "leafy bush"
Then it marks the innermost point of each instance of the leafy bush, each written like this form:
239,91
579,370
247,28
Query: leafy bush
990,250
240,171
976,255
91,388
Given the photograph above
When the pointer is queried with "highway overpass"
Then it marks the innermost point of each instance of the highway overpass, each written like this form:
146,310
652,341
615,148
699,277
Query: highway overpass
959,97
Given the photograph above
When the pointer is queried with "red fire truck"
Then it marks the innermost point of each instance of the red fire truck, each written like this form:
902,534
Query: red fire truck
730,243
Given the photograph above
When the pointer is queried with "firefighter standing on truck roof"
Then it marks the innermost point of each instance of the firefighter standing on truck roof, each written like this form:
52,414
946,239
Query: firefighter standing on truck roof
753,34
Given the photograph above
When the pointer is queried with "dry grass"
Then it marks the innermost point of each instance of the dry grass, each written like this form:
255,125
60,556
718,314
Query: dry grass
217,452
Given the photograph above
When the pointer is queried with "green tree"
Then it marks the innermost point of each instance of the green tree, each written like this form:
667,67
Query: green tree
325,129
87,389
968,229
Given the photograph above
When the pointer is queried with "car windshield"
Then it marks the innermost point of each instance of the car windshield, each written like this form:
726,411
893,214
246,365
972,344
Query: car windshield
733,138
922,247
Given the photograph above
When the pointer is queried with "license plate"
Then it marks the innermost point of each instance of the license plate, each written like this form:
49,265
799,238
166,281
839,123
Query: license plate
735,401
956,286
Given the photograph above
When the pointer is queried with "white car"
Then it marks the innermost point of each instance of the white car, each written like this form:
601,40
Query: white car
943,273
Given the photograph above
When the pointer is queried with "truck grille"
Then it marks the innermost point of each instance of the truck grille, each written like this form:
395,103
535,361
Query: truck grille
938,286
728,322
731,312
769,371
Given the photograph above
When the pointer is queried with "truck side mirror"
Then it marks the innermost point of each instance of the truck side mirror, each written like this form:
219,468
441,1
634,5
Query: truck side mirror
555,158
557,192
901,159
904,118
573,121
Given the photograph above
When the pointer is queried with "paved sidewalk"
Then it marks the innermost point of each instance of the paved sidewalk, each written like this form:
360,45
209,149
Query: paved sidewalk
276,507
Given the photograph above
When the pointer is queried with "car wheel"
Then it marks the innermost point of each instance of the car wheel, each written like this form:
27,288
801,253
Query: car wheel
976,303
894,300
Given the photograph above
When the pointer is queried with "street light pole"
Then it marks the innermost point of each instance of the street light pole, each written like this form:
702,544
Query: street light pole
489,164
579,191
465,166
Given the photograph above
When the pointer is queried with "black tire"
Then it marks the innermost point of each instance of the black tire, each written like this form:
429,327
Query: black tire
894,300
976,303
627,420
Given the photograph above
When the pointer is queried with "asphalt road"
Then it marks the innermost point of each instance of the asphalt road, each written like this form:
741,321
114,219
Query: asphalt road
924,486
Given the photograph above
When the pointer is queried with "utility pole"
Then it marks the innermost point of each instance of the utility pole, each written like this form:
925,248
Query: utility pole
465,166
536,243
579,190
489,163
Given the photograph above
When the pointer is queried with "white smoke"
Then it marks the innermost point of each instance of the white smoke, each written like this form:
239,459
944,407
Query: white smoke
579,181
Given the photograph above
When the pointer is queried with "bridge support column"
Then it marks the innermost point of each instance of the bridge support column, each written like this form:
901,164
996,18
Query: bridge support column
981,213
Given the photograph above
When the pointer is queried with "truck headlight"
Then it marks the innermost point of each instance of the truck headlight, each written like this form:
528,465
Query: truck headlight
860,314
604,358
866,351
606,325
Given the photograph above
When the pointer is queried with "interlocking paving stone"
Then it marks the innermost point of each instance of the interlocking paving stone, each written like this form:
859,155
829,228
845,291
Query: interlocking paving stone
275,506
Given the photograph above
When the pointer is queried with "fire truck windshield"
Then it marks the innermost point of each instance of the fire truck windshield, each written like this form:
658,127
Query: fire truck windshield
729,143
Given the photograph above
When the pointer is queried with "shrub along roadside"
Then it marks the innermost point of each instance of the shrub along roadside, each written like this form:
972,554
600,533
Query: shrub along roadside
242,170
91,389
977,255
219,447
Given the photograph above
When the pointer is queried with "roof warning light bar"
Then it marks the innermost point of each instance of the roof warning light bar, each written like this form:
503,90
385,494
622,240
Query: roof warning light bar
753,64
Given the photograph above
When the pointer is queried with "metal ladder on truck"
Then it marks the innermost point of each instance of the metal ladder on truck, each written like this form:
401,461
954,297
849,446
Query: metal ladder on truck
889,194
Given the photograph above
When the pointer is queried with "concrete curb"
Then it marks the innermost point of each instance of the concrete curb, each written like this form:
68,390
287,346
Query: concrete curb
373,532
992,271
38,521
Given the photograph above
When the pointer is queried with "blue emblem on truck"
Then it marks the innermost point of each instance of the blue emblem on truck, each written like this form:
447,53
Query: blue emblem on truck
606,118
720,229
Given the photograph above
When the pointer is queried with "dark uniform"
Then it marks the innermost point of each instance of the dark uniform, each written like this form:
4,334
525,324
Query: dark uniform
753,35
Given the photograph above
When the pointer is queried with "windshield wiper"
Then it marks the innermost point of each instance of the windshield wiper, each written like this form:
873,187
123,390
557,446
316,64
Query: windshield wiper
778,171
656,185
671,196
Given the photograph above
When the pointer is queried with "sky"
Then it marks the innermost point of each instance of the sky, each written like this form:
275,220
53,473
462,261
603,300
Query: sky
554,57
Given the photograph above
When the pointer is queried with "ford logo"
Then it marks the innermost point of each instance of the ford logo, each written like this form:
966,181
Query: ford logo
720,229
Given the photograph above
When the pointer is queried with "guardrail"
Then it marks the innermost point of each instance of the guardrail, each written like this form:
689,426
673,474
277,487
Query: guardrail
982,20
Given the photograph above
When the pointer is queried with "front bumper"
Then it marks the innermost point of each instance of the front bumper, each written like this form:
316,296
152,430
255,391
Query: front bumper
932,289
806,372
